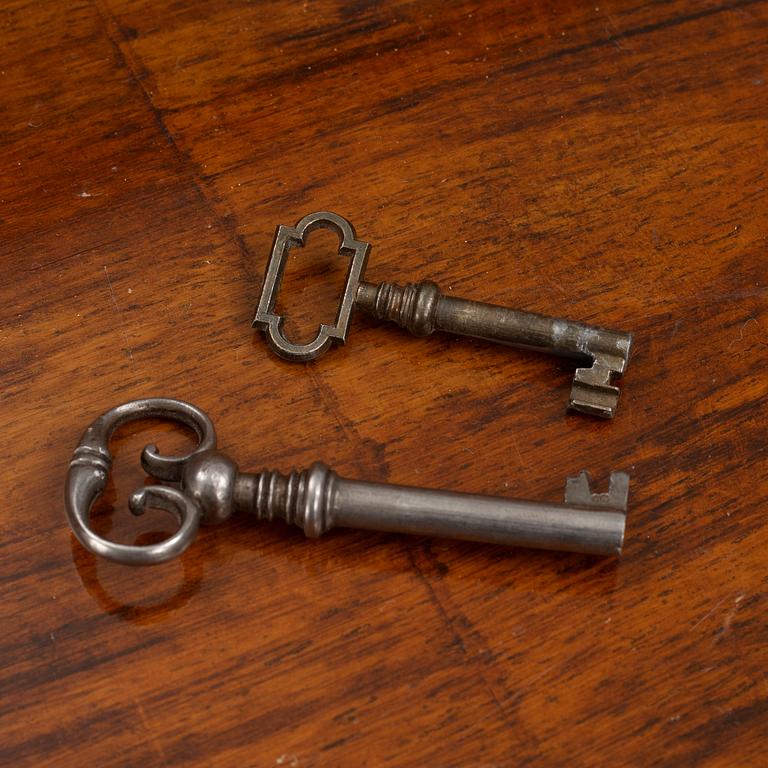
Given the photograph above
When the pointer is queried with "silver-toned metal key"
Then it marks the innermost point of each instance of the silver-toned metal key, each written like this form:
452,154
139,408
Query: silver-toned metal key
210,488
601,355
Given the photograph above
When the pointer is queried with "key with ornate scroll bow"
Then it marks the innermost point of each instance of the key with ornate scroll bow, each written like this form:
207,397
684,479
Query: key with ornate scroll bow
601,355
209,488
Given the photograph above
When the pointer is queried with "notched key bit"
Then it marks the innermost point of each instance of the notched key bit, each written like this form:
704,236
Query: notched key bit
210,488
601,355
579,493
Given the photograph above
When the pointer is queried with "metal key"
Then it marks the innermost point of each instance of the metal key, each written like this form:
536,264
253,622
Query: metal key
211,488
600,354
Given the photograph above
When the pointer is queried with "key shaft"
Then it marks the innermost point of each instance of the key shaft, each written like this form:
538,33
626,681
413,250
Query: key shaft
318,499
445,514
422,308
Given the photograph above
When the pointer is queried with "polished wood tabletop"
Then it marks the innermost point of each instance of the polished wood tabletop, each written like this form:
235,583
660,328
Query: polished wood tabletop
602,161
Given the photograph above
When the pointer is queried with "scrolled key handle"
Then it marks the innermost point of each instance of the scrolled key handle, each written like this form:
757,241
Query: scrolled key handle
601,355
211,488
89,473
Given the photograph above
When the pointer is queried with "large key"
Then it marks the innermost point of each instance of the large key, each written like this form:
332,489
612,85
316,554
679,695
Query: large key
210,488
601,355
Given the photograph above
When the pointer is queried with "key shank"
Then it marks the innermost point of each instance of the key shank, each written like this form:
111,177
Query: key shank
318,499
509,522
601,354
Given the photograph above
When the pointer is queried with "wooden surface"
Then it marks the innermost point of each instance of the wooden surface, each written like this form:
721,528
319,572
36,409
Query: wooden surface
605,161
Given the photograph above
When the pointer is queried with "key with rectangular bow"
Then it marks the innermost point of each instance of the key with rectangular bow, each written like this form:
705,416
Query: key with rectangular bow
601,355
210,488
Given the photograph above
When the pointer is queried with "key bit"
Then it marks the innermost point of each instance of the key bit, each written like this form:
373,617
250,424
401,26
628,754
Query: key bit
210,488
579,493
601,355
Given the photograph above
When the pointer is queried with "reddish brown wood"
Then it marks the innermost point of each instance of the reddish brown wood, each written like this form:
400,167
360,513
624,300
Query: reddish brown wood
603,161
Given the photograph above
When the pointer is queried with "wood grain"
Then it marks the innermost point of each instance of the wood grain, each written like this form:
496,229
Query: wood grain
604,161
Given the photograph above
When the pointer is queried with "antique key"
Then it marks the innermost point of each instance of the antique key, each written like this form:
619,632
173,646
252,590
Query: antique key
600,354
210,488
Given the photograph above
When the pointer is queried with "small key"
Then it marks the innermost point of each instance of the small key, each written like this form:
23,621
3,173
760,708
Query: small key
601,355
211,488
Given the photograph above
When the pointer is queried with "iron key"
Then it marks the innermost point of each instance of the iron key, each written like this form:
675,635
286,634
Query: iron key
211,488
601,355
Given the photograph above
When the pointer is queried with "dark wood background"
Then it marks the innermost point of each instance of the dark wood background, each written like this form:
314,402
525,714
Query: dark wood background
605,161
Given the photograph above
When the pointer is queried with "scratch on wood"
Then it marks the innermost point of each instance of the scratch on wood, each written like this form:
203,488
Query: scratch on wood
119,312
155,743
741,332
709,613
729,616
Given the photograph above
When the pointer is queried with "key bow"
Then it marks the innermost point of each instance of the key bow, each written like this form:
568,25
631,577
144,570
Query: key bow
89,473
272,324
